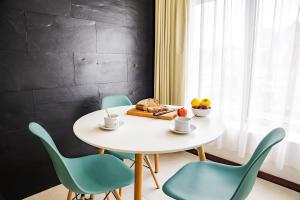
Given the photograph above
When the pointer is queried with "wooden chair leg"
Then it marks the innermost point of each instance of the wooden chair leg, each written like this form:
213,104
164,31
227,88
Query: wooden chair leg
116,194
120,192
151,170
201,153
108,197
101,151
69,197
156,161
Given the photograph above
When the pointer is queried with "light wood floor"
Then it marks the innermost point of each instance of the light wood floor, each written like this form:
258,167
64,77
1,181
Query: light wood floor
169,164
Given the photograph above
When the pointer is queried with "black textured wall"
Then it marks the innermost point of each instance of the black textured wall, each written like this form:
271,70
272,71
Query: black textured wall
58,58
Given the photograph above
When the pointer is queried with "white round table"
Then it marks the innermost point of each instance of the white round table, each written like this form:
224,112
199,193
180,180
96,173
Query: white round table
142,135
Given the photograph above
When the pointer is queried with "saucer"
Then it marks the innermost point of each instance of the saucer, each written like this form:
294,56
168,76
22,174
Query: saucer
102,126
192,128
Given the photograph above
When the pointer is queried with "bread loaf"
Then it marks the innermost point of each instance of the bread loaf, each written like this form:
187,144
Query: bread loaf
145,103
150,105
159,108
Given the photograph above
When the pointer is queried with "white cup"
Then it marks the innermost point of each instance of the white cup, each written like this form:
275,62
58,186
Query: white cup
182,124
112,122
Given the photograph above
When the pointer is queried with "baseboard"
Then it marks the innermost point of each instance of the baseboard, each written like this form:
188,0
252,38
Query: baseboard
262,175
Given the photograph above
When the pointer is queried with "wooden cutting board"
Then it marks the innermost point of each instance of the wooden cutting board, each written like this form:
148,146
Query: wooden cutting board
140,113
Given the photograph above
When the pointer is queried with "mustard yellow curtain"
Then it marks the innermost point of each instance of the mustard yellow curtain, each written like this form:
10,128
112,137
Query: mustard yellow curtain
170,46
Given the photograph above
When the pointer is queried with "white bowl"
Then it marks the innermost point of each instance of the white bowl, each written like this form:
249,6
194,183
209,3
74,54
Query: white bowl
198,112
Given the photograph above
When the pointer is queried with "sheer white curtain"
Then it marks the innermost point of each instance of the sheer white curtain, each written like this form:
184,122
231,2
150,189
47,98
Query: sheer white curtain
245,56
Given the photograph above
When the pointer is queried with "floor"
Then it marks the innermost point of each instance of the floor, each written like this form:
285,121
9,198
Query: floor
169,164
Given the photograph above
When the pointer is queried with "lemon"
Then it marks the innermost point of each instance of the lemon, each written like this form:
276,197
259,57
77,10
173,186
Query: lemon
205,102
195,102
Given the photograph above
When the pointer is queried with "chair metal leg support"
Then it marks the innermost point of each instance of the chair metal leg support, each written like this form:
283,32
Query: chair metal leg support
149,166
106,196
82,196
134,164
76,196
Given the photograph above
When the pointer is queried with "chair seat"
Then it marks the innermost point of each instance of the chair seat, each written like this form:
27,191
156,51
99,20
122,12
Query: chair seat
121,155
204,180
97,174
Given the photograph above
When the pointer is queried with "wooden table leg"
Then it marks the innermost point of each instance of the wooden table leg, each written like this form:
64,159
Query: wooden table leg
138,180
201,153
156,161
101,151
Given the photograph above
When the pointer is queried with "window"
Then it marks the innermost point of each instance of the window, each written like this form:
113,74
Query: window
245,56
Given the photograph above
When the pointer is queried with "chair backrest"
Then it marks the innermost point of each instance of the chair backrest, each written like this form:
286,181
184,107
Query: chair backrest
252,167
59,162
113,101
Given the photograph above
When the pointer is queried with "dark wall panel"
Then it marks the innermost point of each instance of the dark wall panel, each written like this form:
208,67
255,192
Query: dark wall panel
59,58
139,90
139,68
139,13
135,90
116,39
108,11
23,159
12,32
99,68
65,95
58,34
16,109
26,71
55,7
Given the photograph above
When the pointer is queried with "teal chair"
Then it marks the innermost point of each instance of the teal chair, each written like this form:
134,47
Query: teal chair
92,174
214,181
113,101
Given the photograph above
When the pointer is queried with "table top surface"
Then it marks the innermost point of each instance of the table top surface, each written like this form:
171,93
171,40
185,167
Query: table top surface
145,135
